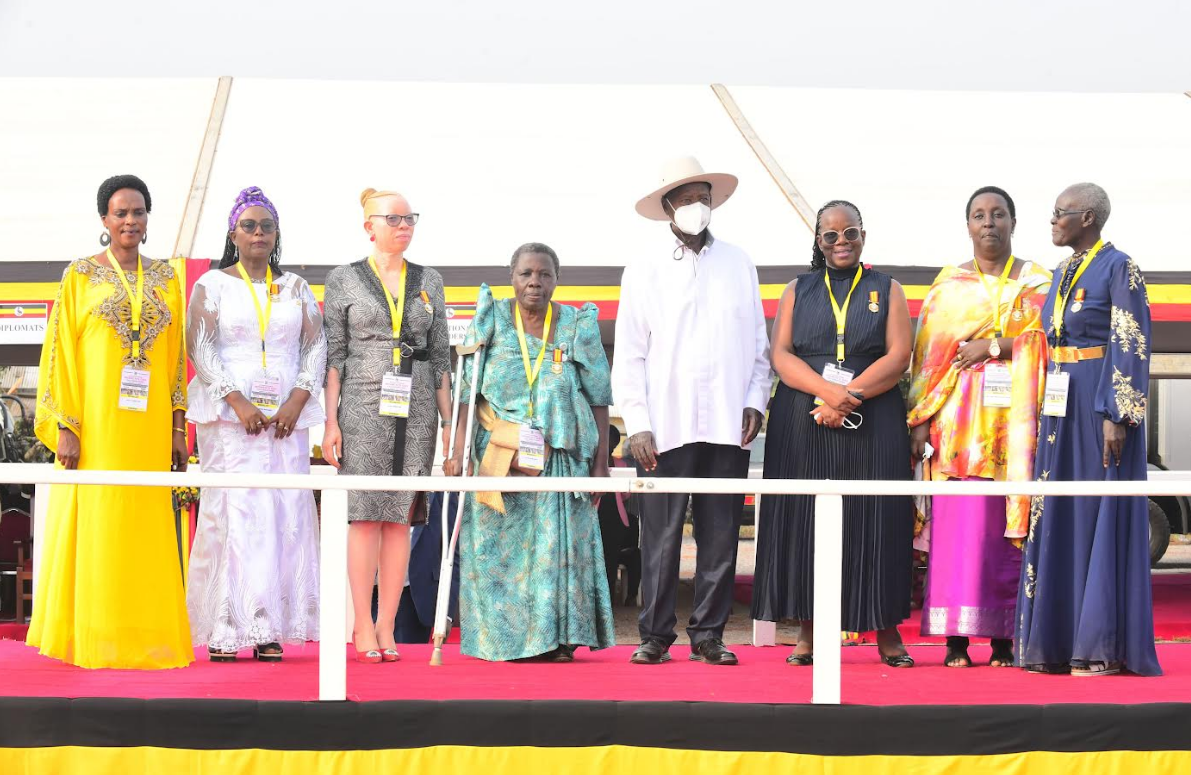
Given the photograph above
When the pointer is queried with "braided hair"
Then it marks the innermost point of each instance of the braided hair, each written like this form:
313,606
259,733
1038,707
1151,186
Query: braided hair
113,184
231,256
818,260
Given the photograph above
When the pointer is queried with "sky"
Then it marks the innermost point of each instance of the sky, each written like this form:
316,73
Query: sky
1010,45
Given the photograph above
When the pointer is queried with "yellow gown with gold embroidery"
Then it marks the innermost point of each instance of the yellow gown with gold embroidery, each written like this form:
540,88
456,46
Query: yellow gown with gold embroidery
110,583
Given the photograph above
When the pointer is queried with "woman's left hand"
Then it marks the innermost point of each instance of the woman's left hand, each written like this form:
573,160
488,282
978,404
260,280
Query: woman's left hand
826,416
287,416
599,470
180,454
972,353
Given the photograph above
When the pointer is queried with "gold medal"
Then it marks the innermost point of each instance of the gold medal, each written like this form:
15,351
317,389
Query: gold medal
556,365
556,368
1017,314
873,305
426,303
1079,296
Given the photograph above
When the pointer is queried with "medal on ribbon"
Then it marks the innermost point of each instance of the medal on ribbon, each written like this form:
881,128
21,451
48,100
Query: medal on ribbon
873,305
1079,297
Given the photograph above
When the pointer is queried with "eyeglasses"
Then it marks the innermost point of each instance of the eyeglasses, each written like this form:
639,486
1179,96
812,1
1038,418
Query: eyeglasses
850,234
395,220
249,226
1057,214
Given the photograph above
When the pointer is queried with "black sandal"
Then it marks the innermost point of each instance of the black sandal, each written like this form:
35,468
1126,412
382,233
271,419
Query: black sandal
1057,668
801,660
564,653
898,660
1002,653
215,655
957,652
267,652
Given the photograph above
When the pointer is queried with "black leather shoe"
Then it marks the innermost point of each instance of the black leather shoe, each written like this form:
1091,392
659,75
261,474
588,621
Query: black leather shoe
652,651
712,652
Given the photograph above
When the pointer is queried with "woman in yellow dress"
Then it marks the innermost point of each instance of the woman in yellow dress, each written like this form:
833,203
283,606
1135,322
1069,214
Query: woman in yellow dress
113,396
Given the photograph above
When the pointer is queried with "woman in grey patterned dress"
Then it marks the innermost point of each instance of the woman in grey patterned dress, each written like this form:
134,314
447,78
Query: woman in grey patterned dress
362,435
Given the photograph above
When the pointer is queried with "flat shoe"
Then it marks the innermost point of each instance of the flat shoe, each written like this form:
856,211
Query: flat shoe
1089,669
215,655
801,660
1049,669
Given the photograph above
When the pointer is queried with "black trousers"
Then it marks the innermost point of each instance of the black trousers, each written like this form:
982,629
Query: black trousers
717,532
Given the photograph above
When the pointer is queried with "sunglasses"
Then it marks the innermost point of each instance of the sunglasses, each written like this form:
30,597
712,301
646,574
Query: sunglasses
249,226
395,220
850,234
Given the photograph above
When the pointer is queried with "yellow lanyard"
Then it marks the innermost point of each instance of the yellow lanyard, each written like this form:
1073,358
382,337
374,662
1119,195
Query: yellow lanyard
396,311
262,316
136,301
531,375
1061,302
997,329
841,313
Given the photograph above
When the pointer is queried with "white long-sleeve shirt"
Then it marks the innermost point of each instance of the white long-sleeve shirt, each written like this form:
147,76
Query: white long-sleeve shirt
691,346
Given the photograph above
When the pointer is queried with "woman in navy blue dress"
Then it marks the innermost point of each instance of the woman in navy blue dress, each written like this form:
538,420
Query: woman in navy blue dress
1085,604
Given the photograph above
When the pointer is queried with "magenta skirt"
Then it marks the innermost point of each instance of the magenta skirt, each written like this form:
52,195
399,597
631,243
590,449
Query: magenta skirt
973,570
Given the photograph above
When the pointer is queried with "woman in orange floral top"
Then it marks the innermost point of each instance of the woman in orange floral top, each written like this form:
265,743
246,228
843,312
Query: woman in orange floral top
979,363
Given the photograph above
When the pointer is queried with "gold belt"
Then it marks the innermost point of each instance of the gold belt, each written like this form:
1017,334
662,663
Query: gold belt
1076,354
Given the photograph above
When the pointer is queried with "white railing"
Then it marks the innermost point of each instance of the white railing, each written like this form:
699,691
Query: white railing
828,549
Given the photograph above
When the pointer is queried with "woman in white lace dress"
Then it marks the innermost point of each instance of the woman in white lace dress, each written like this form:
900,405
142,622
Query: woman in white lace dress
256,340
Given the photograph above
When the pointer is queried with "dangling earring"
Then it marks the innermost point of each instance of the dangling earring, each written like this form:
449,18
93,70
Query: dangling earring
145,238
236,254
372,238
105,239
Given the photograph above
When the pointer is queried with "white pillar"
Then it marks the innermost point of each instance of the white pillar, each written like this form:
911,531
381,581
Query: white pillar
764,633
41,512
332,664
829,561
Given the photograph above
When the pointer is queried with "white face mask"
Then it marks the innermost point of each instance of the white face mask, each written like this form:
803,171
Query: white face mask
692,219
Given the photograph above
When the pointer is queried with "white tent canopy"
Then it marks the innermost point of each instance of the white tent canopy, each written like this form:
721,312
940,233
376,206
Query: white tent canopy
492,166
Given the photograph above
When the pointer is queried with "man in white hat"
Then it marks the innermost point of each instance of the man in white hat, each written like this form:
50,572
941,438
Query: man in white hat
691,379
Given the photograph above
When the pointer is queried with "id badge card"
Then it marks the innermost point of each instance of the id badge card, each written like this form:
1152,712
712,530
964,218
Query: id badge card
134,389
998,385
1054,401
265,393
836,375
395,391
531,452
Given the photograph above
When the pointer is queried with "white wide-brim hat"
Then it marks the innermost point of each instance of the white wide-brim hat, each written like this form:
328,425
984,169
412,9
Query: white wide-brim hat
679,172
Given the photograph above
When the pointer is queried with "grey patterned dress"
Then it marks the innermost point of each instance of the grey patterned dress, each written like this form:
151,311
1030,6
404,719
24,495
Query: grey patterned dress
359,345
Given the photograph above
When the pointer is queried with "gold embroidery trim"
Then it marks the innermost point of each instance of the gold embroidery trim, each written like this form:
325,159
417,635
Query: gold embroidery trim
116,311
1131,403
1127,333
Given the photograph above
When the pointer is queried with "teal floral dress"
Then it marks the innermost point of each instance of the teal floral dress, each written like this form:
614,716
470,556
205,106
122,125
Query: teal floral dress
533,578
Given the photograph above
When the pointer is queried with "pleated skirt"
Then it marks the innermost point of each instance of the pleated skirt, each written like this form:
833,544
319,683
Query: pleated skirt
878,530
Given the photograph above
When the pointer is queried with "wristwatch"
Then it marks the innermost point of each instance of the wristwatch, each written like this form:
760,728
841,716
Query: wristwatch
994,349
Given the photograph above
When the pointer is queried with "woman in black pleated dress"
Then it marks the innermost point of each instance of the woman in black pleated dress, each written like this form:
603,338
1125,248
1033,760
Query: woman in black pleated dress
858,431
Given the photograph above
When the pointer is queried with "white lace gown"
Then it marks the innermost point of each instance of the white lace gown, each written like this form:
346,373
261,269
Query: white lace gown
254,565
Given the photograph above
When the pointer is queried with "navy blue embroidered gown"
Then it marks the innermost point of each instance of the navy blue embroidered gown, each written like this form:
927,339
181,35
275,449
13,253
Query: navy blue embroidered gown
1085,588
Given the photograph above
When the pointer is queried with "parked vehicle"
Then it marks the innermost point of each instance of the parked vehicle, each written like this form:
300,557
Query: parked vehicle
1168,514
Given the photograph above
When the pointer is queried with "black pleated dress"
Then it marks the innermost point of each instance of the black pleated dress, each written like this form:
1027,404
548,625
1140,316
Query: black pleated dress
878,531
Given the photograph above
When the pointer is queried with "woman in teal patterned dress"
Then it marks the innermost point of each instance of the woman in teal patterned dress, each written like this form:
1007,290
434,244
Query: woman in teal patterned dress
532,564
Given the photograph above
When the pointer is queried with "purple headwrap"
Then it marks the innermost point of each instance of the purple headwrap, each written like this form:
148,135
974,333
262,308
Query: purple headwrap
250,197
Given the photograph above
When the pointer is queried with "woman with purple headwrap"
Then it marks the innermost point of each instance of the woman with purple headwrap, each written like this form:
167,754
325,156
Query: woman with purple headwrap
256,341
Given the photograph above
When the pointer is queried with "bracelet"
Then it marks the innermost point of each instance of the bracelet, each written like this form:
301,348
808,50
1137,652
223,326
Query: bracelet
179,430
444,424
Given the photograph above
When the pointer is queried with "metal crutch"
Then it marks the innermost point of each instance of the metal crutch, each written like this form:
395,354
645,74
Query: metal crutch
442,622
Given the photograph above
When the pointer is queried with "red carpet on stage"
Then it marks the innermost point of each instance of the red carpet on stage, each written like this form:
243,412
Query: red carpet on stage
762,677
